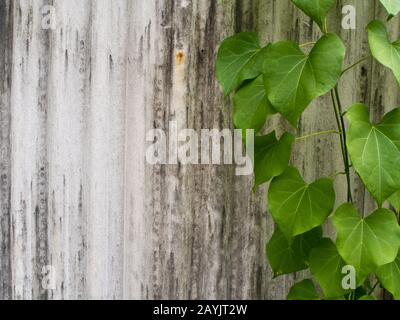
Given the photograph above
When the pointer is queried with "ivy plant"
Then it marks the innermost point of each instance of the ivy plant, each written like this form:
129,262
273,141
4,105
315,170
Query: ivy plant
283,79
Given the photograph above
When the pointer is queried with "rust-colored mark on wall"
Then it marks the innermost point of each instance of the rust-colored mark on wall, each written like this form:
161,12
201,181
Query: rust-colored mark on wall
179,57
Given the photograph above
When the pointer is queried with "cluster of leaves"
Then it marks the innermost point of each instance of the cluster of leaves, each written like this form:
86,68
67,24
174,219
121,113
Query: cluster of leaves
281,78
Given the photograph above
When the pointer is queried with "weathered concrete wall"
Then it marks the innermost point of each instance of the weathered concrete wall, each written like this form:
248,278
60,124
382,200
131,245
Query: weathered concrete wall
75,105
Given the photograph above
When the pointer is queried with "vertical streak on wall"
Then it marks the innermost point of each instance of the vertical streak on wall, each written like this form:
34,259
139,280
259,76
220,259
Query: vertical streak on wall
69,148
142,62
29,151
105,156
6,40
41,208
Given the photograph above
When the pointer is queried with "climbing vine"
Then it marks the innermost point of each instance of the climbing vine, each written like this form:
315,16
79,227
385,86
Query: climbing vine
284,78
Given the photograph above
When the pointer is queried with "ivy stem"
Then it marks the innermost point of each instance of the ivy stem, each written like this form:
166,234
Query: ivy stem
346,152
334,175
325,26
355,64
307,44
340,123
318,134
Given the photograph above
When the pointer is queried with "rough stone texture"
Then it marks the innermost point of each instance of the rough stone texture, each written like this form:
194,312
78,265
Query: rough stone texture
75,106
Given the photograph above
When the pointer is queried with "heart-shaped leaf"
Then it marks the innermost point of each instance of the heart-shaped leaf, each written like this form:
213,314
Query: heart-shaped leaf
252,106
316,9
240,58
303,290
389,276
293,79
383,50
271,156
391,6
326,266
286,256
375,150
298,207
366,243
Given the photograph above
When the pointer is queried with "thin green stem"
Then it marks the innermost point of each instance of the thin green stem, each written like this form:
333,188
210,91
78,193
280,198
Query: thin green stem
351,295
346,152
340,123
325,26
307,44
334,175
318,134
355,64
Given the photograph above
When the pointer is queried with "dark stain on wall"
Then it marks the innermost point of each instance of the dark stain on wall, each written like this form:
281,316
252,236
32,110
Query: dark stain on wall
6,37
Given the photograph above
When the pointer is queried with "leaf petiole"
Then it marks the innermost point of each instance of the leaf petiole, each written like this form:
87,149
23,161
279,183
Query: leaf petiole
318,134
355,64
307,44
334,175
325,26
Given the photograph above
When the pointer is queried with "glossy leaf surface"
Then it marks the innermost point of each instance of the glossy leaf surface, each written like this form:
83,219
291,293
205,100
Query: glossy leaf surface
293,79
297,206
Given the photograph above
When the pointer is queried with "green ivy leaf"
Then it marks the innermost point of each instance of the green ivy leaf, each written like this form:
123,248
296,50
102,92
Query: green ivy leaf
366,243
240,58
389,276
271,156
326,266
375,150
287,256
293,80
252,106
316,9
394,200
386,52
298,207
391,6
303,290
